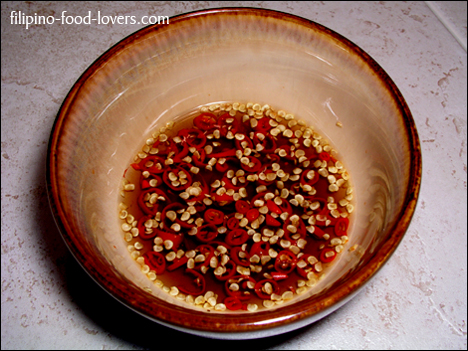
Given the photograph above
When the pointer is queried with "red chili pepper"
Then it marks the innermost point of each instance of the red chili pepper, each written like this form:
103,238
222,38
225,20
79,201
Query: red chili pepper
263,125
151,210
207,233
142,229
326,259
206,250
285,262
196,138
199,281
233,223
224,154
242,294
245,262
214,217
261,249
205,121
324,156
242,206
155,261
279,276
200,161
268,143
237,237
305,180
289,154
175,238
261,294
230,271
177,263
176,171
272,222
252,214
224,126
319,233
257,165
273,207
305,270
341,226
233,303
247,140
152,169
177,158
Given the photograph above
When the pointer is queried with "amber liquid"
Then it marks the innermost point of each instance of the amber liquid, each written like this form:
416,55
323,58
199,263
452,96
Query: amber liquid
179,277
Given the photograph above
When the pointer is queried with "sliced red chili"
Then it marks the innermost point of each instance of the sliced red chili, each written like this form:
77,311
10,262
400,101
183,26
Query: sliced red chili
233,303
261,249
175,238
242,281
155,261
142,229
230,271
272,222
263,125
152,164
305,174
177,186
273,207
285,262
341,226
253,166
327,255
232,223
199,282
177,263
196,138
324,156
237,237
142,202
207,233
260,287
252,214
245,261
305,269
214,217
319,233
242,206
268,143
279,276
205,121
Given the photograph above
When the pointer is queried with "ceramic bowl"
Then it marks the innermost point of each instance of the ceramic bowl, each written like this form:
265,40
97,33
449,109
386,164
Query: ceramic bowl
231,54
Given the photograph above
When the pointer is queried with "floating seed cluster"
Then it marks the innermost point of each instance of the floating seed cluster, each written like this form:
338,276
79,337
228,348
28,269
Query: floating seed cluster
242,210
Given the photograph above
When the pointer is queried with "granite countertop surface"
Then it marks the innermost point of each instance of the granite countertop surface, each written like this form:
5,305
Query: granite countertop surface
417,301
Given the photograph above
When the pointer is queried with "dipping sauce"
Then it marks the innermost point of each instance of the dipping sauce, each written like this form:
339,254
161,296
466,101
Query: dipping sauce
237,207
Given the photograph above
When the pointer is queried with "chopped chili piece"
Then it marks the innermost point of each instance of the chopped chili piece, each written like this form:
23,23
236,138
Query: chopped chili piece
237,237
341,226
233,303
199,282
285,262
207,233
242,206
214,217
155,261
327,255
262,287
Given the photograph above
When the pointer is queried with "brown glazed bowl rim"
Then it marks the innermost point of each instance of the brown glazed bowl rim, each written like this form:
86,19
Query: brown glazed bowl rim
264,322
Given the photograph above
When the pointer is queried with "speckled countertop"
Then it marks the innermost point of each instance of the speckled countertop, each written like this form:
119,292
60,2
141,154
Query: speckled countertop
417,301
